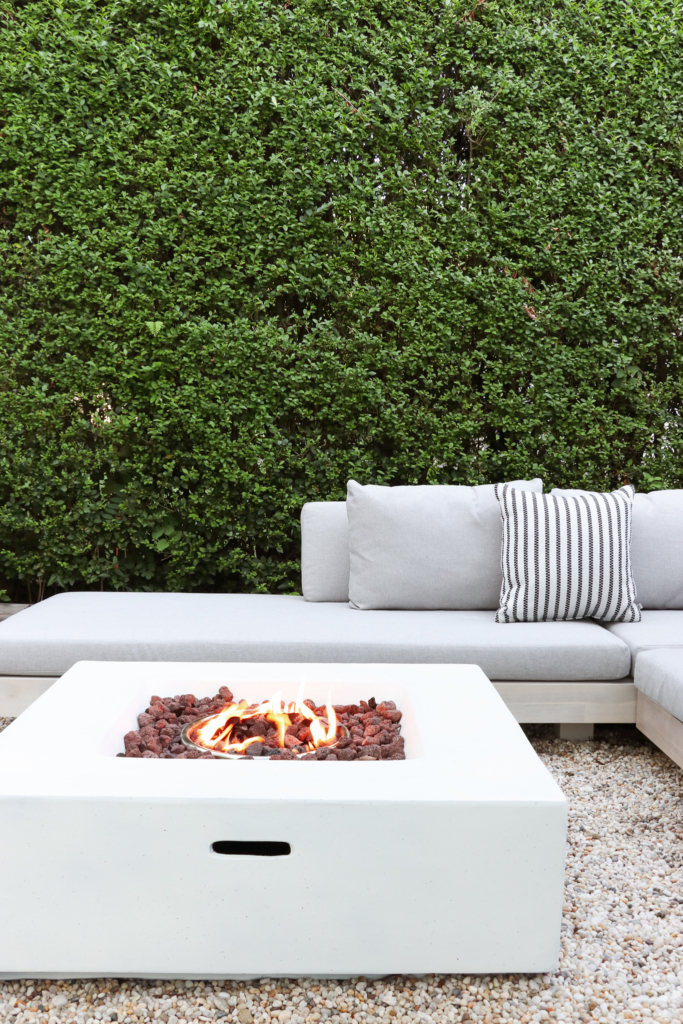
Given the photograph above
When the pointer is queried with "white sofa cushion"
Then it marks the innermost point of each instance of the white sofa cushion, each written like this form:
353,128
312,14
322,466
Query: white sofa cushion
566,556
325,551
657,549
50,637
657,629
659,675
426,546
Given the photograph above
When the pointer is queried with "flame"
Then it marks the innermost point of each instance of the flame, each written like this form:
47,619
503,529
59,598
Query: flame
220,732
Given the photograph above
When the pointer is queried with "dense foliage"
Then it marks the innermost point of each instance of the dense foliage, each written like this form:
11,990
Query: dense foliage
252,248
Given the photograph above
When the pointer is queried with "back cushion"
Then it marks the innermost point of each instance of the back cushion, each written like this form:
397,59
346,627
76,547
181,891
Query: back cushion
325,551
656,548
433,546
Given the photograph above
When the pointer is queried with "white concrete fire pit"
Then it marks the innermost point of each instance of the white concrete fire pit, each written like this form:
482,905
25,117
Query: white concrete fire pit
449,861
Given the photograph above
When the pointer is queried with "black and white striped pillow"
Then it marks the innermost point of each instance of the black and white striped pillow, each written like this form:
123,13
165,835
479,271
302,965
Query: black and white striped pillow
566,557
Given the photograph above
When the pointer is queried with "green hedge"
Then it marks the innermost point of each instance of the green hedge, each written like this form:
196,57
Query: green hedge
250,249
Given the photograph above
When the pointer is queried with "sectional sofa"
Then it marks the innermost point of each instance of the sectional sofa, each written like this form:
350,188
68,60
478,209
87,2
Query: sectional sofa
570,673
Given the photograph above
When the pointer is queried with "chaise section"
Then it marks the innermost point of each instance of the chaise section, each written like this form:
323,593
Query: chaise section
659,712
50,637
657,629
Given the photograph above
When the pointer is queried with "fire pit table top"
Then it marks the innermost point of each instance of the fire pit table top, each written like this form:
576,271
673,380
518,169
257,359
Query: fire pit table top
461,741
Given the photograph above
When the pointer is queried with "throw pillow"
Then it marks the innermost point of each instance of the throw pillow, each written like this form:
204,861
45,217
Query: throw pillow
566,556
425,546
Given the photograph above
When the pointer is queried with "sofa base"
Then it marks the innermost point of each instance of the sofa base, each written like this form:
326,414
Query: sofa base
573,703
665,731
533,702
574,731
18,692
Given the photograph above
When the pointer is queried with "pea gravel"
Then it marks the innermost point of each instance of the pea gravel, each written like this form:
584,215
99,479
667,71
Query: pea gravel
622,930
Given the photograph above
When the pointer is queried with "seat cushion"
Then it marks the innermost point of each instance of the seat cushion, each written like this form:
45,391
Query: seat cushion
656,629
659,675
50,637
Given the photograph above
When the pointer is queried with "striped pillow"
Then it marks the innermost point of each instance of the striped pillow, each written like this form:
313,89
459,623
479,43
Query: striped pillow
566,557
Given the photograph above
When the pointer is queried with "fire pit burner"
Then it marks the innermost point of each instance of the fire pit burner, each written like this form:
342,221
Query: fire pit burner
221,727
215,725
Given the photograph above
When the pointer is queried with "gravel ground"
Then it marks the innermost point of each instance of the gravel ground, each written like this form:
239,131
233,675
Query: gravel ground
622,933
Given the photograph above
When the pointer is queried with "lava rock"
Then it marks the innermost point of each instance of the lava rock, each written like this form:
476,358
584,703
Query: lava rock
132,739
371,750
393,716
346,754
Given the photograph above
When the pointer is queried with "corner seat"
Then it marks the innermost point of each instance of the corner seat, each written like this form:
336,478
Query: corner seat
656,629
659,710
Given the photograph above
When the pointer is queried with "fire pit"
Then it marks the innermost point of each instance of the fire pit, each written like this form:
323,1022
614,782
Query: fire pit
450,859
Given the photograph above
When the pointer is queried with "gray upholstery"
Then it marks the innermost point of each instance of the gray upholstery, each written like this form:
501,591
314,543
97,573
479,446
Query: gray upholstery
427,546
659,675
50,637
657,549
325,551
657,629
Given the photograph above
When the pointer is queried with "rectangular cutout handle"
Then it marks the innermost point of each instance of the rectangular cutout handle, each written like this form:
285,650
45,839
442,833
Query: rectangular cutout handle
244,848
